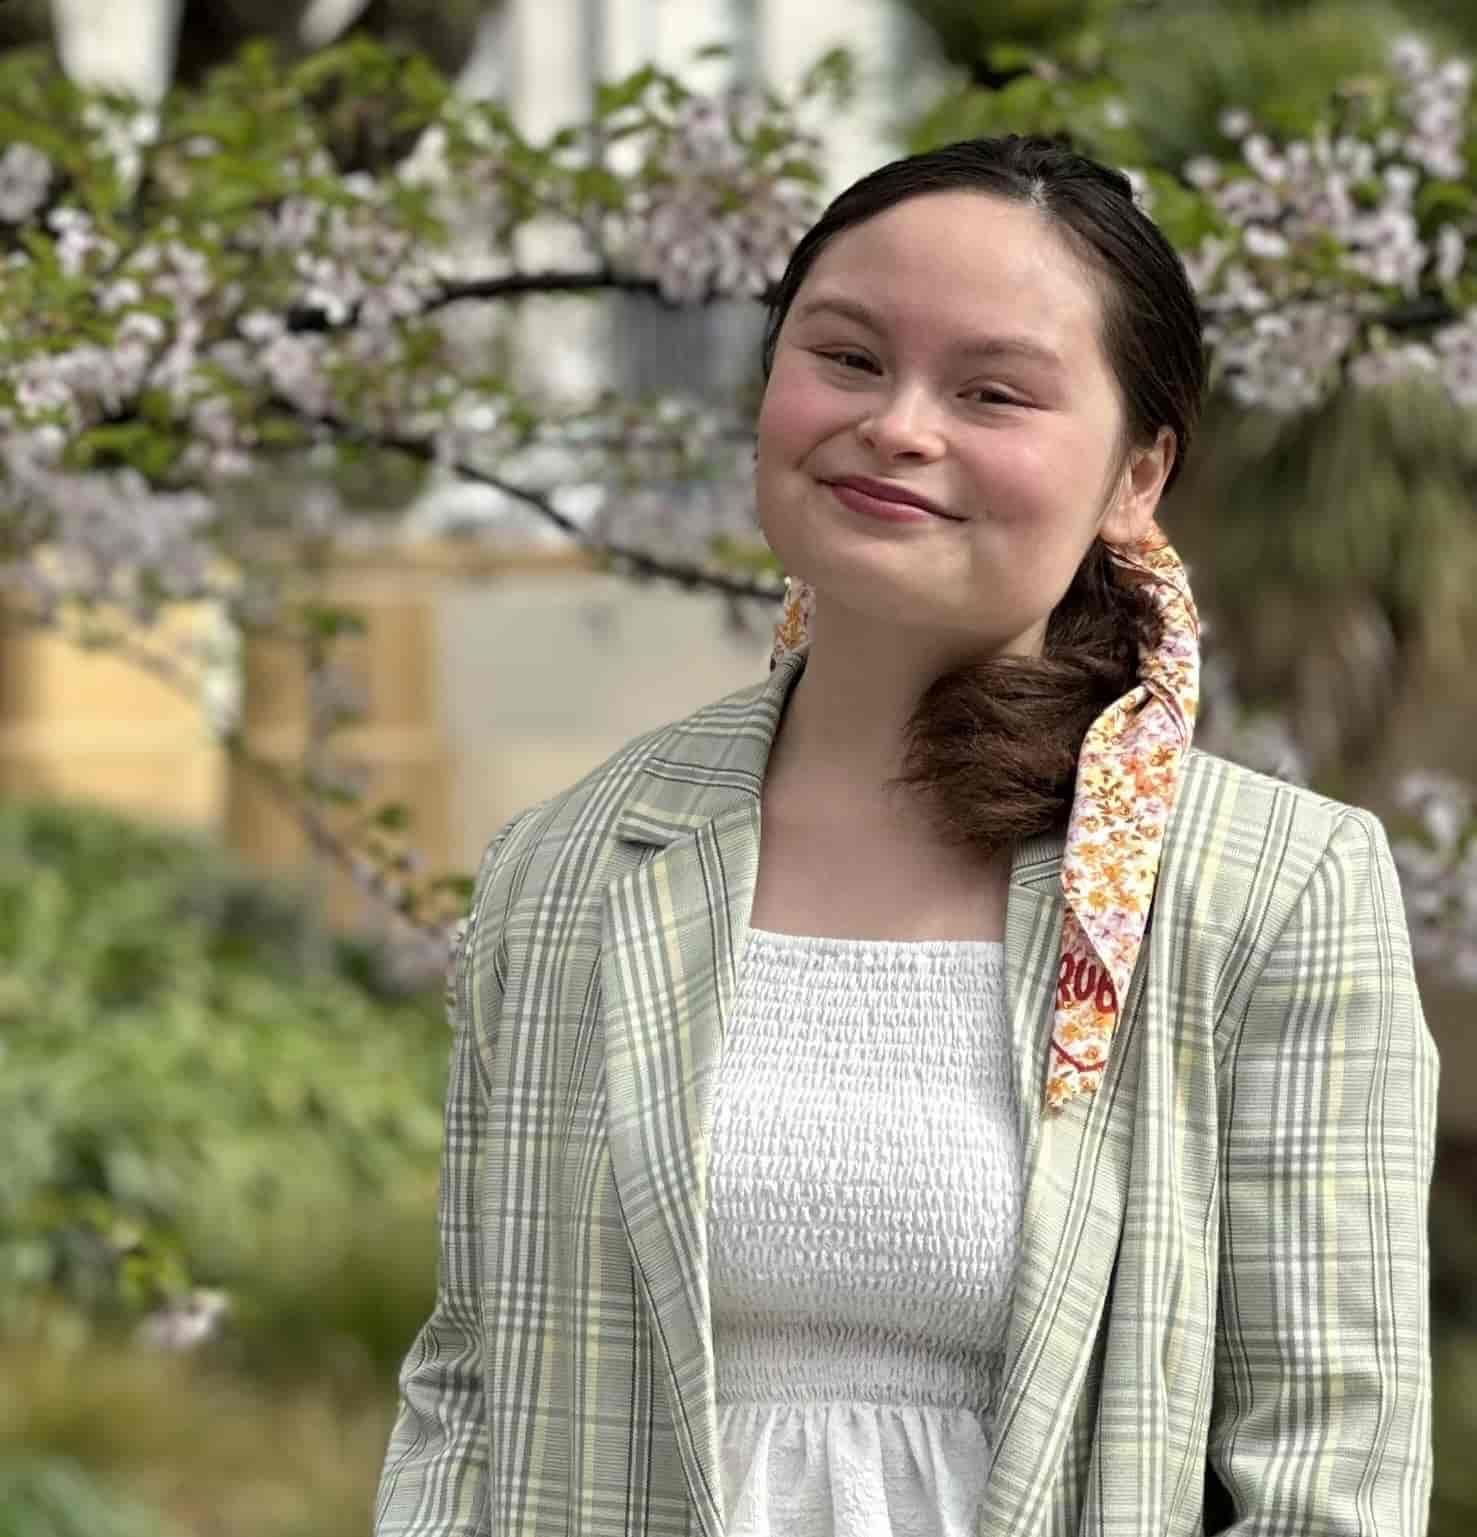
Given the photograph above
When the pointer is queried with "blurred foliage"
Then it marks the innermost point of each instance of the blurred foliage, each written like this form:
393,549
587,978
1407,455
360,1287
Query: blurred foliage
1282,65
191,1070
1454,1315
965,32
23,22
46,1497
1105,86
1354,523
88,1432
1356,529
211,31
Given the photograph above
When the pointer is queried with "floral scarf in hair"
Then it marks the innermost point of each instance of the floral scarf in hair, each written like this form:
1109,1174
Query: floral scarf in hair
1127,773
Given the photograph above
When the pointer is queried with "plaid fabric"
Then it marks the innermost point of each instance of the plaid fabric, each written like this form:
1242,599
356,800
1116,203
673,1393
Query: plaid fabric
1223,1252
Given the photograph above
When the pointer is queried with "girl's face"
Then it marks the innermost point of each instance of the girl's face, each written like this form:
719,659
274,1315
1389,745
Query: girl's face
948,349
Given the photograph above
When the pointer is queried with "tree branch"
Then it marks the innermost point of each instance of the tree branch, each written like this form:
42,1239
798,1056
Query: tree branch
320,836
1426,310
637,560
516,285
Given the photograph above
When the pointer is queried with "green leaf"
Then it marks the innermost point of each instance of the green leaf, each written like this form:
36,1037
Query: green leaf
329,622
1006,58
394,817
615,96
833,75
1442,202
595,184
137,444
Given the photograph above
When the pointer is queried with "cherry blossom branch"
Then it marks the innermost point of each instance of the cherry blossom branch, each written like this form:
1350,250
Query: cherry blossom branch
513,286
639,561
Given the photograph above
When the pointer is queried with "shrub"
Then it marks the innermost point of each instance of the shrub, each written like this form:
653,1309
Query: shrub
190,1068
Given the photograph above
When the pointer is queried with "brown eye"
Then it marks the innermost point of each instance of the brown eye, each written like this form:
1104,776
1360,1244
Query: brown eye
848,359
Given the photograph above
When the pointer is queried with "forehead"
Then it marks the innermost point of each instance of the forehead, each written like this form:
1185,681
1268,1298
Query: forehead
944,263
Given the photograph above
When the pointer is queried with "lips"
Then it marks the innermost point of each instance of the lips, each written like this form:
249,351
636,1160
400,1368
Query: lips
888,492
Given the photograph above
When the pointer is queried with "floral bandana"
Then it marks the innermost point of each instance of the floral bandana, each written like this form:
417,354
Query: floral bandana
1127,773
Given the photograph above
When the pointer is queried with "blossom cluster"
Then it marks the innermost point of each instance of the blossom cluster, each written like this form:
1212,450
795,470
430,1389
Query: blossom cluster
1438,874
722,214
213,298
204,342
25,180
1320,239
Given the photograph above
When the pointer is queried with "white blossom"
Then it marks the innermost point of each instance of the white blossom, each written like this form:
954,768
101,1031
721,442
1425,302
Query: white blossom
123,134
25,180
1451,253
1202,171
1143,193
716,223
1456,347
1438,873
293,365
78,245
187,1324
1260,241
1288,359
1389,365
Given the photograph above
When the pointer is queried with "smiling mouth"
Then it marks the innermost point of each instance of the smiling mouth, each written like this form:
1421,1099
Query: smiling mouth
878,499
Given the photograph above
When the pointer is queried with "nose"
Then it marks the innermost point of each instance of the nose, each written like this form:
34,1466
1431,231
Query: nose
902,426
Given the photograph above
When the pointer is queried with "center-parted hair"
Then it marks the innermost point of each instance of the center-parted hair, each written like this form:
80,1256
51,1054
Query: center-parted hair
993,746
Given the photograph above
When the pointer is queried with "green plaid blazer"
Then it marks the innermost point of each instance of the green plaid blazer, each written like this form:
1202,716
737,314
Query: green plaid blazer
1224,1258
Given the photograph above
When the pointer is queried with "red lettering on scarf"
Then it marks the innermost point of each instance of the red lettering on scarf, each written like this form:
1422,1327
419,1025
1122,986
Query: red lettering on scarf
1080,979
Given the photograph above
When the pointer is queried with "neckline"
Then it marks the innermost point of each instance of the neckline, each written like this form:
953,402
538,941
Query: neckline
908,946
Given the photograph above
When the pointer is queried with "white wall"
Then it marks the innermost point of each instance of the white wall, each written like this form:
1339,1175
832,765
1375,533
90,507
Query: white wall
544,675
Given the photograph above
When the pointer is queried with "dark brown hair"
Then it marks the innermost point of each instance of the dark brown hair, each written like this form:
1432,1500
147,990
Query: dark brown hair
993,746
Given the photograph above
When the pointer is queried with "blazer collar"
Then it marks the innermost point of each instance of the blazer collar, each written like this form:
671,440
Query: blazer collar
715,761
674,926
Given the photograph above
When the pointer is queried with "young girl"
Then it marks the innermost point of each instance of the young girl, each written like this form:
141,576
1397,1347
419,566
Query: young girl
919,1094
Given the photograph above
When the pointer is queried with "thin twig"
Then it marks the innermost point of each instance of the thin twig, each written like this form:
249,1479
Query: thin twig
519,285
169,672
640,560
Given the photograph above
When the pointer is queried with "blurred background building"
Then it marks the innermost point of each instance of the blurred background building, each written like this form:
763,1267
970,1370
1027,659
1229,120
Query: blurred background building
499,670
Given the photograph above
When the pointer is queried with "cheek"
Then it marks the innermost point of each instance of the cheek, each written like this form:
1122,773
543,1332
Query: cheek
797,412
1033,480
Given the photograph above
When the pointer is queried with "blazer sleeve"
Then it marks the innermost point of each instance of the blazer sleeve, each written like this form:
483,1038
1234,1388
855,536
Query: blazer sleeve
434,1482
1320,1422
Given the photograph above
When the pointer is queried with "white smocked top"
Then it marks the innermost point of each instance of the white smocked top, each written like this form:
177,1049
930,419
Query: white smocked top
864,1212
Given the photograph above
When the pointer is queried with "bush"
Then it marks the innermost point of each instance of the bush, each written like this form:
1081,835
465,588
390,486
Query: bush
190,1069
42,1497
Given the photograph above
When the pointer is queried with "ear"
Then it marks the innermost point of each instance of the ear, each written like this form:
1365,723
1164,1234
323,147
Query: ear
1130,513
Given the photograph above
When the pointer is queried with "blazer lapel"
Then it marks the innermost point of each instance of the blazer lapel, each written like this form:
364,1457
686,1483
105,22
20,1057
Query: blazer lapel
674,929
1076,1187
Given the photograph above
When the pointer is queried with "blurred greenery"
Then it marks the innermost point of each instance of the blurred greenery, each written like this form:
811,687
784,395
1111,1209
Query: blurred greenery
190,1062
195,1078
1353,524
1281,64
200,1088
45,1497
211,31
1356,528
99,1428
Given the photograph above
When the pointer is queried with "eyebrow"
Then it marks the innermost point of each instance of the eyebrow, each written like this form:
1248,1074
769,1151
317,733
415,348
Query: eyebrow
1022,347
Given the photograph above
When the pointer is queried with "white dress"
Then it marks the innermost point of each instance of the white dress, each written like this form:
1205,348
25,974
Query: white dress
864,1214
